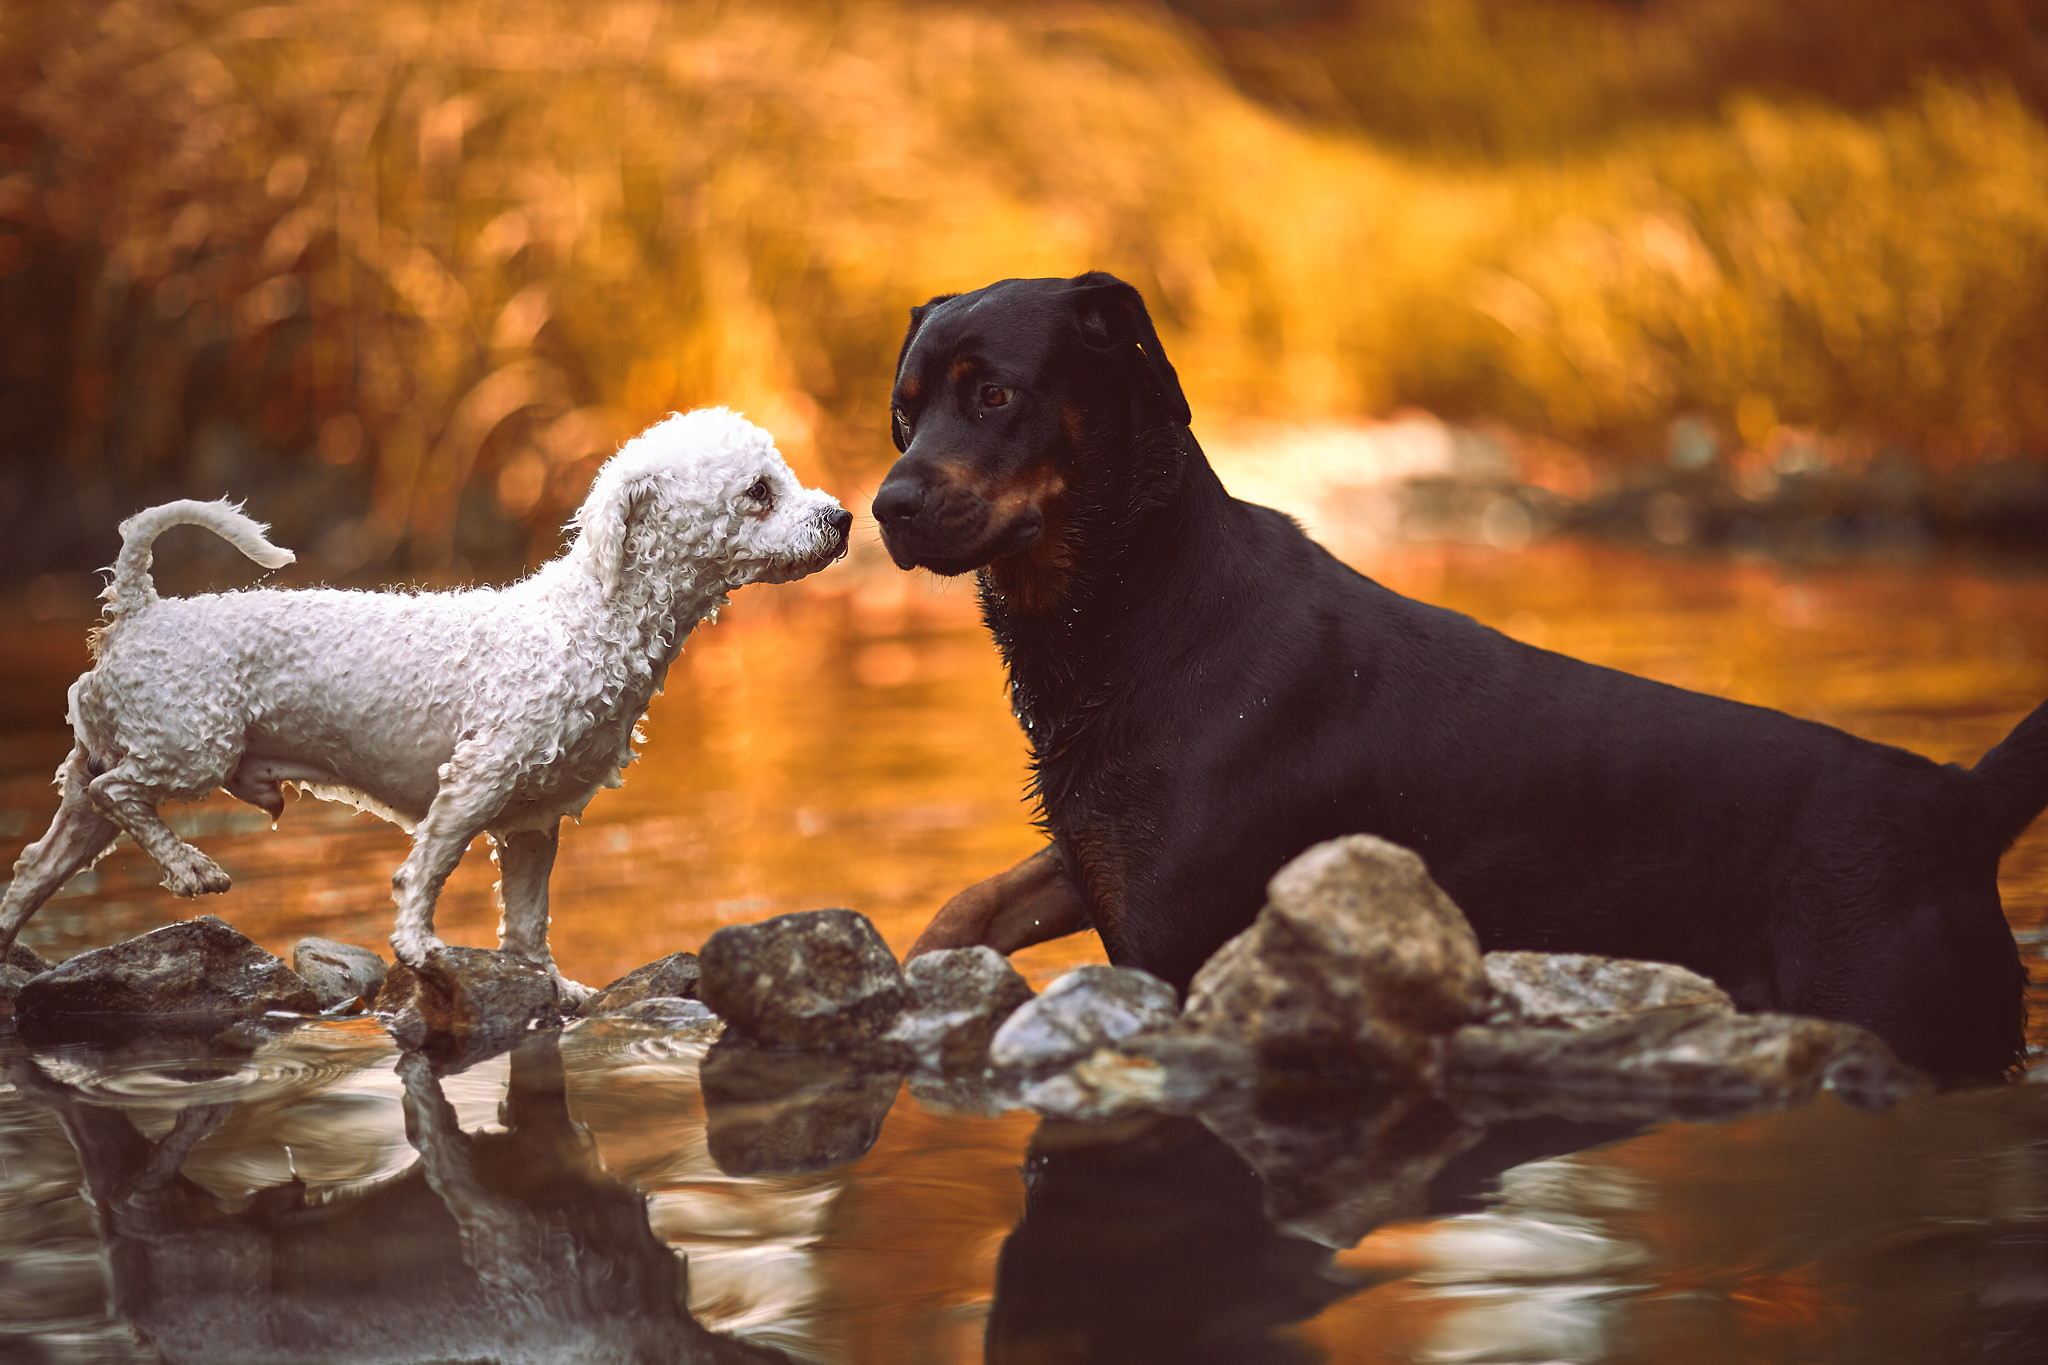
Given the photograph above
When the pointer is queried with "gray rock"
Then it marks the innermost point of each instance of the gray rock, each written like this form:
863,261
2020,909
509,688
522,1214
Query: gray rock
199,969
1085,1011
466,1004
770,1111
338,972
814,979
27,959
12,979
958,998
1357,961
1674,1063
671,978
1572,990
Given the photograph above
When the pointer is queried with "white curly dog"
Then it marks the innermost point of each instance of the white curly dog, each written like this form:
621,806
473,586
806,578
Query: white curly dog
496,710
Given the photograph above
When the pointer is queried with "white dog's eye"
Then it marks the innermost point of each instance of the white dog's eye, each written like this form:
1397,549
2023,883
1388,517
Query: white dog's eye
760,489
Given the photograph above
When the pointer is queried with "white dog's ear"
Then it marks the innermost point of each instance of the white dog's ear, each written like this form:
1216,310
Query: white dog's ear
604,520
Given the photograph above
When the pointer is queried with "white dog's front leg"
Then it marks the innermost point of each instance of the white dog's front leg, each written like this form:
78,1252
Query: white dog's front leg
471,794
525,858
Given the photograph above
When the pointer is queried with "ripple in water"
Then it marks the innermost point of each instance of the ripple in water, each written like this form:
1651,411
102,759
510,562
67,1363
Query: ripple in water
176,1082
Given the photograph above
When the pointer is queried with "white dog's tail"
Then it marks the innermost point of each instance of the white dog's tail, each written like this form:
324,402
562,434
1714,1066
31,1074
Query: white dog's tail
132,589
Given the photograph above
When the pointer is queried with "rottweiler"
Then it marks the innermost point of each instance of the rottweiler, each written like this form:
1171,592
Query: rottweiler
1206,692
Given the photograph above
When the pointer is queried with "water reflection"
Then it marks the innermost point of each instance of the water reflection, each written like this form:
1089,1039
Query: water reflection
513,1244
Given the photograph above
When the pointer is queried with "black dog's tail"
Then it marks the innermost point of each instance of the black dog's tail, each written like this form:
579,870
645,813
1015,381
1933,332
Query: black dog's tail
2015,777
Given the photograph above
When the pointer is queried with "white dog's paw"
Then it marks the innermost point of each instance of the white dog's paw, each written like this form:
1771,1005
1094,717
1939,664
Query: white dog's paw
191,873
412,948
574,993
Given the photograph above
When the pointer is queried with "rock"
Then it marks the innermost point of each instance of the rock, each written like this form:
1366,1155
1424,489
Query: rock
12,979
338,972
1088,1009
466,1004
771,1111
671,978
1572,990
1357,961
201,970
814,979
958,998
26,959
1672,1063
1107,1085
1337,1164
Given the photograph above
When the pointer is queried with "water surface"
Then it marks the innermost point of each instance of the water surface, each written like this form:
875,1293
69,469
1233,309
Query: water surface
848,743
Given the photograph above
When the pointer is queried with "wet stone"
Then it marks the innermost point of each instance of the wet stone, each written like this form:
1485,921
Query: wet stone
12,979
813,979
1357,962
202,968
771,1111
466,1004
1574,990
1685,1063
338,972
1085,1011
670,978
26,959
959,997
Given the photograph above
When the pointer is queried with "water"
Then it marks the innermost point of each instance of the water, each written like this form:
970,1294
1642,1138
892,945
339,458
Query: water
310,1197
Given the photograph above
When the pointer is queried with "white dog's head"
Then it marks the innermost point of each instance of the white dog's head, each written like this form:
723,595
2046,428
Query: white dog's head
706,492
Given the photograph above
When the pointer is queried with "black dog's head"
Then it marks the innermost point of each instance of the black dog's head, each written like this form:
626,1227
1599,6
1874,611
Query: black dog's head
1019,408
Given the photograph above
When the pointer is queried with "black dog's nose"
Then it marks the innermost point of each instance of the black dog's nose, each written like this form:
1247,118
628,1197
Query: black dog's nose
898,500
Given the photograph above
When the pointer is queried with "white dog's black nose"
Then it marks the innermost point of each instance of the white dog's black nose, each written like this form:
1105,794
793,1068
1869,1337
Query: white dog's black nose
841,522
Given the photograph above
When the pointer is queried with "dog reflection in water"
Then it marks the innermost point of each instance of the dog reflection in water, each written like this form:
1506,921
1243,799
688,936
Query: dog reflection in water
510,1246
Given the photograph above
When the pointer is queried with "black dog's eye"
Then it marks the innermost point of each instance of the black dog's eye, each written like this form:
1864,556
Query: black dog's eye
759,489
902,428
994,395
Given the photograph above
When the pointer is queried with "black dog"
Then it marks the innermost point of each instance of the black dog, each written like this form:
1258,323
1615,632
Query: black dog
1207,692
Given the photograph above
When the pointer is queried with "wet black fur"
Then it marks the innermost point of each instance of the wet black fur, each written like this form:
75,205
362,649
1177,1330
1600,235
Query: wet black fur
1210,692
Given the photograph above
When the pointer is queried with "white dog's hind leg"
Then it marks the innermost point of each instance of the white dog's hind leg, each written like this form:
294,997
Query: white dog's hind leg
473,791
122,797
525,858
78,835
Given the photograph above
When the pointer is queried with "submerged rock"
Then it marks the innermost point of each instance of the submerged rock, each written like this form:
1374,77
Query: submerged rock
670,1013
813,979
1574,990
199,970
958,999
338,972
1088,1009
771,1111
670,978
1683,1062
466,1004
1357,961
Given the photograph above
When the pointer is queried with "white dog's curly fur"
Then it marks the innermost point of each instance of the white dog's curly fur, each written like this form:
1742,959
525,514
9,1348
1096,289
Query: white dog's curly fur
449,713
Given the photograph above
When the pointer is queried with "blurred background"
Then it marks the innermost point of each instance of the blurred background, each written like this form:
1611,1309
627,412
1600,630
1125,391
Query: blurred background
1703,338
400,274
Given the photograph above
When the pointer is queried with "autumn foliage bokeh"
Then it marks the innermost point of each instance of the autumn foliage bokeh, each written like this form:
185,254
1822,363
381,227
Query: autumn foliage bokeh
400,272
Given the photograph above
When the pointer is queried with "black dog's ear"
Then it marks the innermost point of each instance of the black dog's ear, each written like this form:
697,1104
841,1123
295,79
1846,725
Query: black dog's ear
917,317
1113,317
